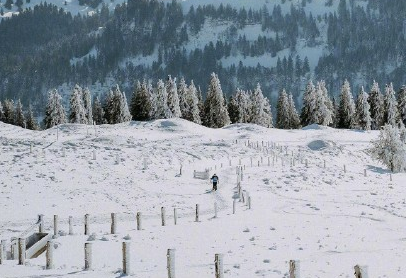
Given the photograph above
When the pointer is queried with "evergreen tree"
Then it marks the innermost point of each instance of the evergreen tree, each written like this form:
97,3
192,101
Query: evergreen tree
87,105
173,98
19,115
108,108
323,107
260,109
293,115
98,112
282,111
309,105
163,111
54,113
77,111
402,104
244,105
233,110
216,115
31,121
391,106
328,115
200,103
9,111
346,109
183,95
363,115
140,103
152,101
117,107
377,107
192,100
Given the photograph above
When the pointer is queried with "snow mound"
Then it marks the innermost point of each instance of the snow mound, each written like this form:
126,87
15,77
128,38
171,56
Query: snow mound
314,127
318,145
246,127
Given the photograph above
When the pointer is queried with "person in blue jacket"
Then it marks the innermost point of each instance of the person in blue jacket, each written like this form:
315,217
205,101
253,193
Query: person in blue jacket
214,179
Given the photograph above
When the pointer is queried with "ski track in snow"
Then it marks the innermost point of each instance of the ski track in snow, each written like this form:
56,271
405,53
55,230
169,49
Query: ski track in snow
327,218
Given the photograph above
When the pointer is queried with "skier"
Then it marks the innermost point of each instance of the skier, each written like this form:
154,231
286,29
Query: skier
215,180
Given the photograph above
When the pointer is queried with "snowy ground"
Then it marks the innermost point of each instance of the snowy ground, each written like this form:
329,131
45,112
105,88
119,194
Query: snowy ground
328,219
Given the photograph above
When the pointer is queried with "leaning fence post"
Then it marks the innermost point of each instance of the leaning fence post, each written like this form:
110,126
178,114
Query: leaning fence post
2,251
360,271
294,269
49,255
55,226
88,256
126,257
215,209
197,213
41,223
21,251
70,225
139,223
86,224
171,263
163,215
218,265
113,223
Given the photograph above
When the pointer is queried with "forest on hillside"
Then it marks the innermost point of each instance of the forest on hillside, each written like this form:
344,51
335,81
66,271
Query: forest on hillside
38,47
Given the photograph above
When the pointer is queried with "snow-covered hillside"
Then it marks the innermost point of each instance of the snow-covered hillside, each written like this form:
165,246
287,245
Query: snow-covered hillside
327,218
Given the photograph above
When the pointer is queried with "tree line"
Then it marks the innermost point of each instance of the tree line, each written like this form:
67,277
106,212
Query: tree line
172,99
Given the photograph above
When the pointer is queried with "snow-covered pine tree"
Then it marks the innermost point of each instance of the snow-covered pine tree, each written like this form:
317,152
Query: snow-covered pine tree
152,101
216,114
389,149
173,98
327,115
260,109
77,111
244,106
377,107
402,104
31,121
163,111
362,113
293,115
98,112
140,103
9,111
54,113
125,115
309,104
108,108
193,114
87,105
133,104
1,112
322,106
233,110
346,109
19,115
200,103
183,95
119,112
282,111
391,106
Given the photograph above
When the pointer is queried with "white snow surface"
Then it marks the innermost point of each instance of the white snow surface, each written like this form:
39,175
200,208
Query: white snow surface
328,219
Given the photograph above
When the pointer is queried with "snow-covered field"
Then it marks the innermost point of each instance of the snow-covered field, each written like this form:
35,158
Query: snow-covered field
328,219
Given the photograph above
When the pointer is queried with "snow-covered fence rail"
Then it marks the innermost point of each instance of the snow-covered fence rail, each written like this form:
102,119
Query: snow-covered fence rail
201,175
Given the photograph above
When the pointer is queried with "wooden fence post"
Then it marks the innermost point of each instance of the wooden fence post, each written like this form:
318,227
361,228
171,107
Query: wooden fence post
345,169
139,223
171,263
324,163
113,223
126,258
269,161
2,251
14,248
30,147
175,216
218,266
249,202
49,256
215,209
55,226
306,163
234,202
40,223
63,152
163,216
117,159
94,154
21,251
365,172
390,176
87,224
88,256
294,269
251,161
360,271
197,213
70,225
